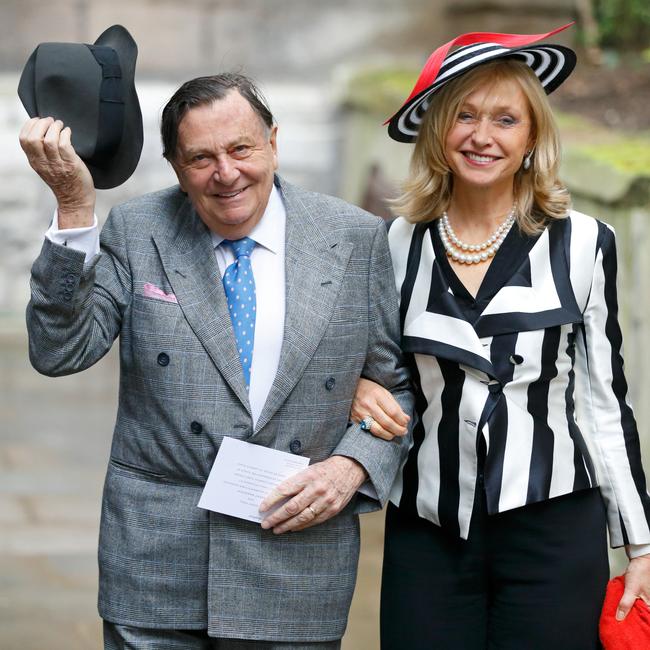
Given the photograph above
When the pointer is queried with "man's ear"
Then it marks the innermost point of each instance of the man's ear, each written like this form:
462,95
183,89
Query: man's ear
274,145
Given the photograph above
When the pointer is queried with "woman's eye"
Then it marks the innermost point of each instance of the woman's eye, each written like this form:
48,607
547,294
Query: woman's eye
465,117
506,120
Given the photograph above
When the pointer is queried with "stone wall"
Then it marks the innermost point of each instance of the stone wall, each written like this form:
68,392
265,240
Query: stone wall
272,39
269,38
531,17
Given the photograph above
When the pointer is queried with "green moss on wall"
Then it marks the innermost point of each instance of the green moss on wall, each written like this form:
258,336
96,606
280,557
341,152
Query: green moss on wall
380,91
626,155
605,146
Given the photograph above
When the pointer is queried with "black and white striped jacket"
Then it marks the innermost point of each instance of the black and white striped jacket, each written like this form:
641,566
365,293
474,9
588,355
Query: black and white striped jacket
539,375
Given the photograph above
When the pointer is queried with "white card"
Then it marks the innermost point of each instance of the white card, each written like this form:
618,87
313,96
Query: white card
244,474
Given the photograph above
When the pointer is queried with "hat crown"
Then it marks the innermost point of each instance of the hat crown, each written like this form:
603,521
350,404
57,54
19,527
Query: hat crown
64,70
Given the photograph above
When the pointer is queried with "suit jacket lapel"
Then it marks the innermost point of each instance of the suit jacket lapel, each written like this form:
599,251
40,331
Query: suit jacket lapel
536,295
432,323
315,263
188,258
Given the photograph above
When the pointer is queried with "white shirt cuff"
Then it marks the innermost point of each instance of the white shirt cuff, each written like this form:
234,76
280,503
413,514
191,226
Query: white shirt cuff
85,239
636,550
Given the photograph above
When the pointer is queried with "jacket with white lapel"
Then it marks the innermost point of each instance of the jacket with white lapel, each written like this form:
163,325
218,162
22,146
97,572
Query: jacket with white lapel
536,295
529,379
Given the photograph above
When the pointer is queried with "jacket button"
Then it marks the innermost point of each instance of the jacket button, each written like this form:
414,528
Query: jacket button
196,427
330,383
295,446
163,359
516,359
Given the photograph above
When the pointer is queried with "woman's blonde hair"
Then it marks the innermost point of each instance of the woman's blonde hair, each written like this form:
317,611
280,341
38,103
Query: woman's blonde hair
538,192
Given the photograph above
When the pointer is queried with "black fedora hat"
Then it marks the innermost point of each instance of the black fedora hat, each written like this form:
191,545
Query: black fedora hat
551,63
91,89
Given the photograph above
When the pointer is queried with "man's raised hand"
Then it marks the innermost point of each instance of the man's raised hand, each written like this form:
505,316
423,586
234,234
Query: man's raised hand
48,147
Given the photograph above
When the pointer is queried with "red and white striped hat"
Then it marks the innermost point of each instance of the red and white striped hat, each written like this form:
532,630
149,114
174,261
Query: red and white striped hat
551,63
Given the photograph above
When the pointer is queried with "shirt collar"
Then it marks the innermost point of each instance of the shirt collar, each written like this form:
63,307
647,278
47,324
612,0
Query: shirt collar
269,231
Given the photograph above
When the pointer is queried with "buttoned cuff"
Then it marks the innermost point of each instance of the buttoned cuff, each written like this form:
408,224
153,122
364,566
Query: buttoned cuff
85,240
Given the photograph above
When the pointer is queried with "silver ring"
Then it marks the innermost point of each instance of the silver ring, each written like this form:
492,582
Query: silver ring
313,512
366,423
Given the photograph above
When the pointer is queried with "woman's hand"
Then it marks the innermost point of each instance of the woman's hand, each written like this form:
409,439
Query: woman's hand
637,585
375,401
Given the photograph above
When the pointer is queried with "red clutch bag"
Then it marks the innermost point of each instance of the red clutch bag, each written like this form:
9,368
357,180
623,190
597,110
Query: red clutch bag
633,633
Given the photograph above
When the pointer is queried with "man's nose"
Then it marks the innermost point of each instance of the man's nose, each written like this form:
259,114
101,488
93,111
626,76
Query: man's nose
226,171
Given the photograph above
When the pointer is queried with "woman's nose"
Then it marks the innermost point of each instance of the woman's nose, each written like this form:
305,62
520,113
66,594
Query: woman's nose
482,133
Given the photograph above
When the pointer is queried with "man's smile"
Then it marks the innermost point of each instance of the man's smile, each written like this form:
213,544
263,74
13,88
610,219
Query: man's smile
230,195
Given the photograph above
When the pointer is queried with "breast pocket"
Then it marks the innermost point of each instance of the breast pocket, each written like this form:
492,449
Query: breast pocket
152,316
161,346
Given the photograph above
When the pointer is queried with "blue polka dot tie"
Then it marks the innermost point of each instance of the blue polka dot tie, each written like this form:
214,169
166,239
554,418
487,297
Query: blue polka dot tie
239,285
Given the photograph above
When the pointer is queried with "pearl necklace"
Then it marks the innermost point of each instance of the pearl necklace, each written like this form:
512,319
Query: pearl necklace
464,253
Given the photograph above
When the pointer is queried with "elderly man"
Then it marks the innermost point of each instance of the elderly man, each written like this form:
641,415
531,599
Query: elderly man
320,312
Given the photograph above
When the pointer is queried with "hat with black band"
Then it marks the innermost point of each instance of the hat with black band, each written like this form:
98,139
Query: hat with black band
91,89
551,63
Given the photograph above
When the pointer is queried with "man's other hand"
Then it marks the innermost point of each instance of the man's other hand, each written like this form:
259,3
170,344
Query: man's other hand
48,147
315,494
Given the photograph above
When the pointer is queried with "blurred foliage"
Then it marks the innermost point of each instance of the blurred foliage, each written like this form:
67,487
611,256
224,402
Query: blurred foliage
381,91
623,24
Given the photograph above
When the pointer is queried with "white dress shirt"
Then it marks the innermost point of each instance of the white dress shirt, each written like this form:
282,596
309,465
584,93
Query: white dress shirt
81,239
267,260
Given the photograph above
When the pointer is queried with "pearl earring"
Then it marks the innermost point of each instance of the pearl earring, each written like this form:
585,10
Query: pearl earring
528,160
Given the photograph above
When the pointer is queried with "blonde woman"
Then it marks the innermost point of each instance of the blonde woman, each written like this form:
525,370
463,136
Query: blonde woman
525,449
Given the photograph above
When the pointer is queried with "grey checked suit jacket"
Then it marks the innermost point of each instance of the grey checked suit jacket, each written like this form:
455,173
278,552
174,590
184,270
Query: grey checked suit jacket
163,561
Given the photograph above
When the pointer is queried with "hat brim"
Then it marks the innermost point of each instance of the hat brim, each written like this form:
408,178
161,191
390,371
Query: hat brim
122,164
551,63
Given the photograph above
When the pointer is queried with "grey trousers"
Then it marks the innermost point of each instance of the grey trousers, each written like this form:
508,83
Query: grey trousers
123,637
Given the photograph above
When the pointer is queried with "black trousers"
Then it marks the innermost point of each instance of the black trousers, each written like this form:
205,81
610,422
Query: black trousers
533,578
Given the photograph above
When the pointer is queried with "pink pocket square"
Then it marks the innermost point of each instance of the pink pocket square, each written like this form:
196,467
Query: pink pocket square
152,291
